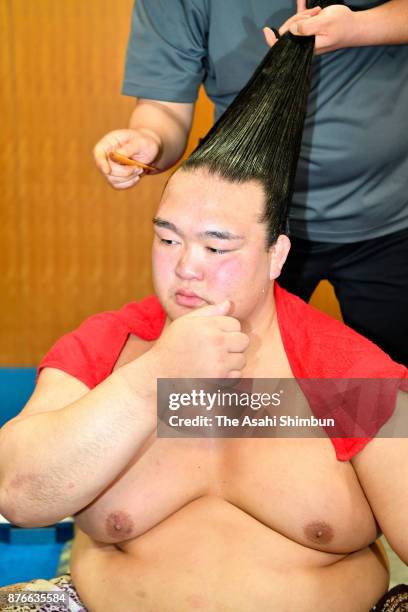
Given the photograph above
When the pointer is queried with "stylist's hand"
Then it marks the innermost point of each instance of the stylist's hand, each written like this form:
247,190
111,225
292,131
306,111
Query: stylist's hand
334,27
139,144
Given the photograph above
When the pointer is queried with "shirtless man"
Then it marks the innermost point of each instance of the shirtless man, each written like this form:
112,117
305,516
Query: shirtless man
237,525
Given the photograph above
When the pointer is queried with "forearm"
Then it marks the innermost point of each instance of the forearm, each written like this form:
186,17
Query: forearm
55,463
386,24
167,122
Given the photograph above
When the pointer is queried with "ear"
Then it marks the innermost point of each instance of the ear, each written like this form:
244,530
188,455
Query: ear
278,254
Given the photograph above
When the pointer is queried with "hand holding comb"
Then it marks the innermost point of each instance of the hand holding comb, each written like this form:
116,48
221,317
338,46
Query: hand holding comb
127,161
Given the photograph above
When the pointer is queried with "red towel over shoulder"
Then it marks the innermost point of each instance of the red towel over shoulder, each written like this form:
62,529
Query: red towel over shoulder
316,345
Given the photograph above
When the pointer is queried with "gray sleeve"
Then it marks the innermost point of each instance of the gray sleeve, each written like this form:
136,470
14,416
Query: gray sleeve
167,50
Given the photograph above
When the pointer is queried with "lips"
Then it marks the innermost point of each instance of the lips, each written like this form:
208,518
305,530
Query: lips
189,299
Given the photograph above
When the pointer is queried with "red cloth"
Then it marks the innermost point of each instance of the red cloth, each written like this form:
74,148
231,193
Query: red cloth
316,345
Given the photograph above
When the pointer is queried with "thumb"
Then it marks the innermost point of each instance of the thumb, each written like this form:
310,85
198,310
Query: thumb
214,310
142,148
307,27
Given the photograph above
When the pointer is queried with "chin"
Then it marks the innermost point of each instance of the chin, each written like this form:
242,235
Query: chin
172,310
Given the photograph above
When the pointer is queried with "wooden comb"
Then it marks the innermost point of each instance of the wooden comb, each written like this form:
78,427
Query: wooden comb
126,161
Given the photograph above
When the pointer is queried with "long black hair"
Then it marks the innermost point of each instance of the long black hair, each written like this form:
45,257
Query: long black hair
259,135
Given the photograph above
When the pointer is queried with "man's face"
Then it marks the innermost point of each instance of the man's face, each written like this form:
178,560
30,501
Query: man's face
209,245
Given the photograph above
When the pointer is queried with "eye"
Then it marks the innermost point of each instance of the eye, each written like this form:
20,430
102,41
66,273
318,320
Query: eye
217,251
167,241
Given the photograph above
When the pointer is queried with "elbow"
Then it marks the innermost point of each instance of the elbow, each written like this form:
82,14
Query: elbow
11,509
16,516
24,495
18,508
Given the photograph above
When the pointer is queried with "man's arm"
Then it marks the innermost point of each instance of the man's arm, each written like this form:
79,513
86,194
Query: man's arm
69,443
157,135
170,122
337,26
382,469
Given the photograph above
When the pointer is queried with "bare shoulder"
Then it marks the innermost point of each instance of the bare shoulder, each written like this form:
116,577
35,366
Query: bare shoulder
382,469
390,442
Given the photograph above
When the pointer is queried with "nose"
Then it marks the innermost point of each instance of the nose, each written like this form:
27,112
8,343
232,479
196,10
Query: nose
189,265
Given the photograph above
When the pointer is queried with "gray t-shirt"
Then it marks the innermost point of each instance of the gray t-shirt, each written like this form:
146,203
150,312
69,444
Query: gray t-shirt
352,179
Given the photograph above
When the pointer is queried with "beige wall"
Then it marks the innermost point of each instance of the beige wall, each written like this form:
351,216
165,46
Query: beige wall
70,245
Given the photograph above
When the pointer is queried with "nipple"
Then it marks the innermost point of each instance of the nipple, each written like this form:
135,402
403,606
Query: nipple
119,524
319,532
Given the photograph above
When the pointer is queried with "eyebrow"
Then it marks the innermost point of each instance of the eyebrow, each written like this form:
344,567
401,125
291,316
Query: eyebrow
219,234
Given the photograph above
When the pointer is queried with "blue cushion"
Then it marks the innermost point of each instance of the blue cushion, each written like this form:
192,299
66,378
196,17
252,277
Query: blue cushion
26,554
16,386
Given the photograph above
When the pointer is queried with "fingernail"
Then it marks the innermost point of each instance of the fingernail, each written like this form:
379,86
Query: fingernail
293,28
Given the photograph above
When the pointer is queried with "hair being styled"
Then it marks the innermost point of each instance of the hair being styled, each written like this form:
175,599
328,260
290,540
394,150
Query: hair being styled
259,135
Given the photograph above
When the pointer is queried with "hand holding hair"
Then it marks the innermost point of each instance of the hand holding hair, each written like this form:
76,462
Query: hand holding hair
304,14
334,27
337,26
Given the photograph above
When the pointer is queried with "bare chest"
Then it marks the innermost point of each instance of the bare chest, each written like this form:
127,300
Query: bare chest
295,487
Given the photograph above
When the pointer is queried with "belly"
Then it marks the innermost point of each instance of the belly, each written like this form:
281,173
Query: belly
212,556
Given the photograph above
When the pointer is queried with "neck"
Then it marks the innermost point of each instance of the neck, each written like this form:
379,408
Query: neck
265,356
263,319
